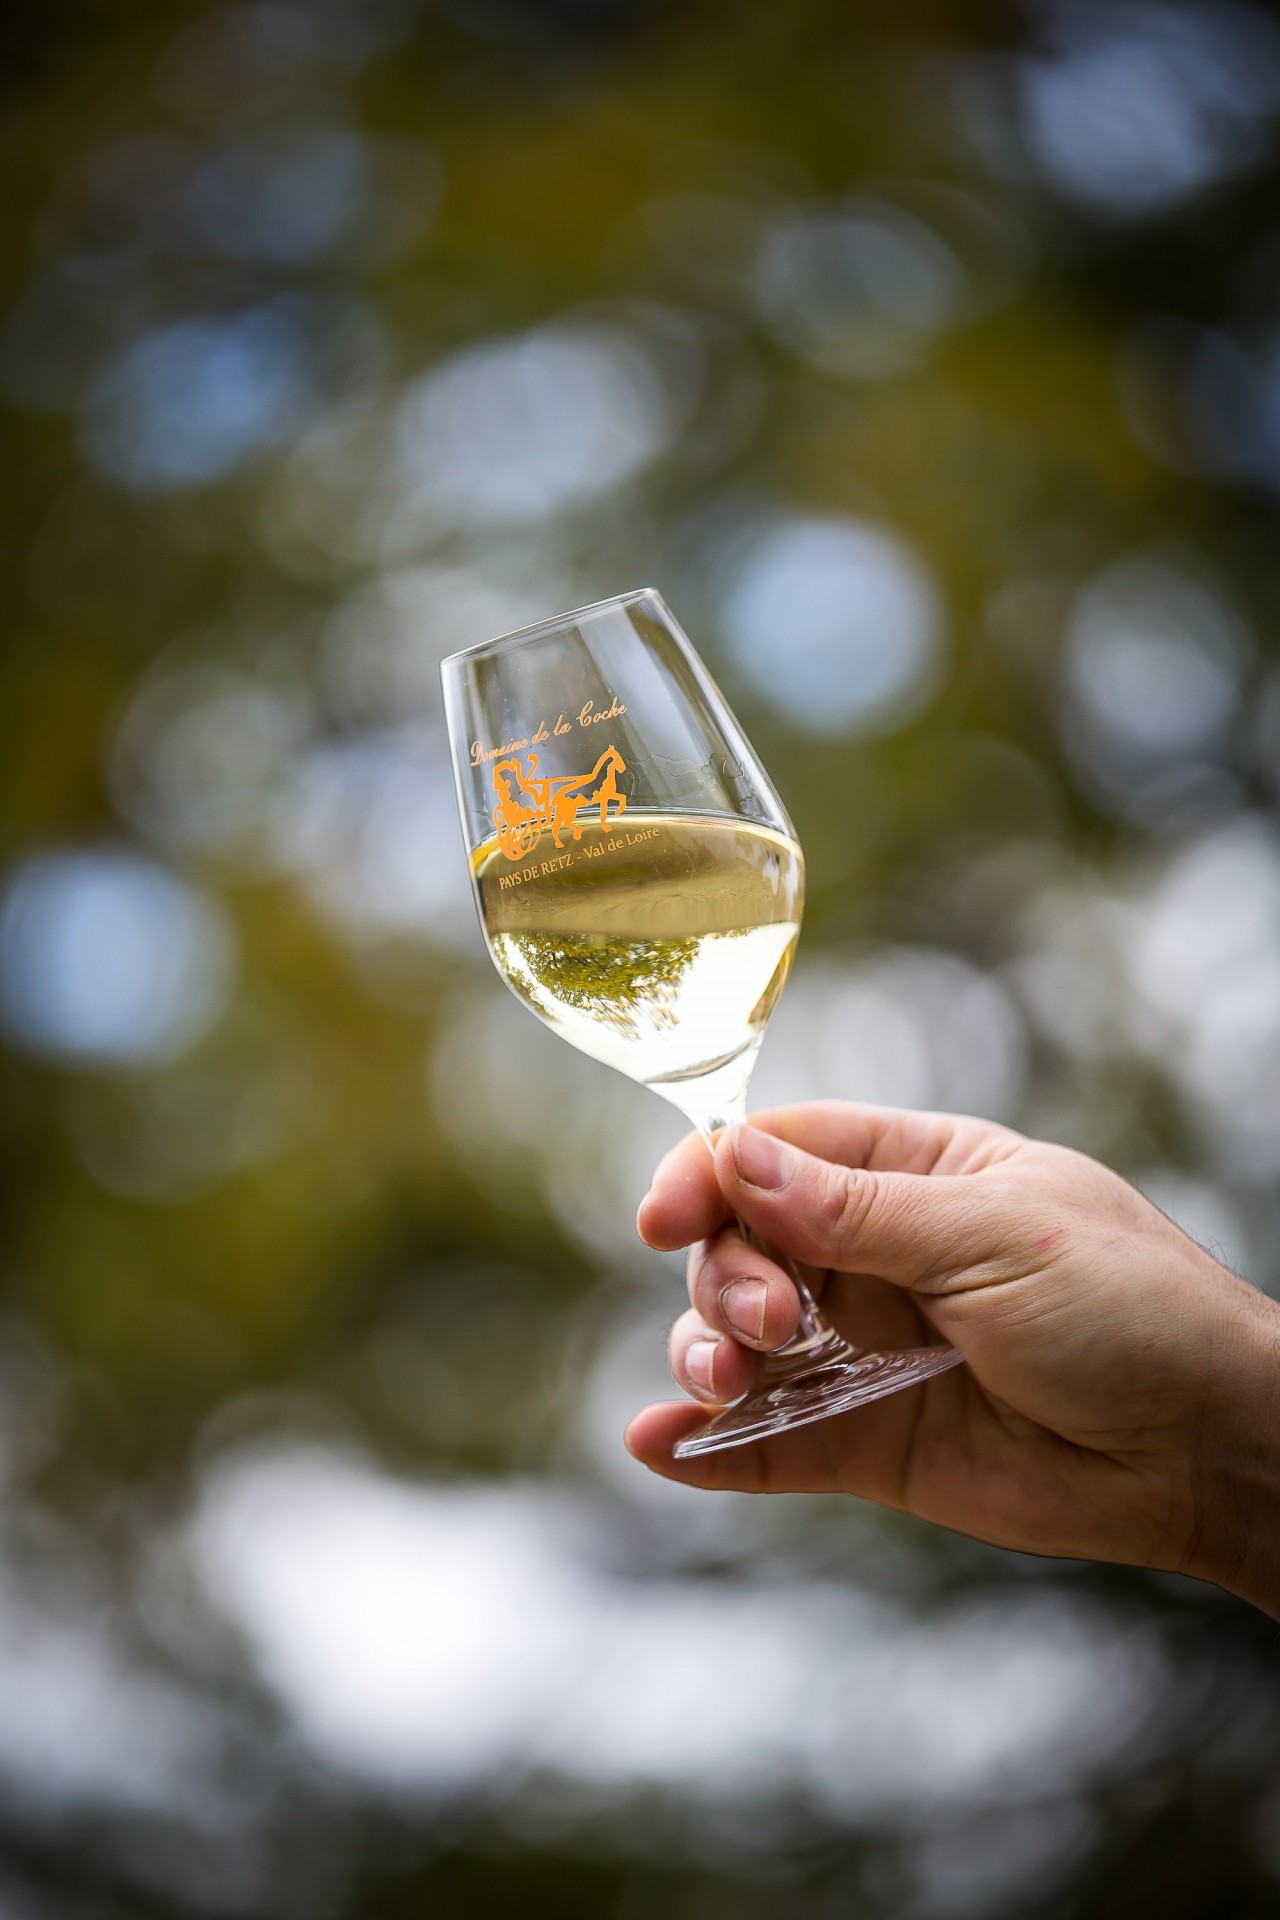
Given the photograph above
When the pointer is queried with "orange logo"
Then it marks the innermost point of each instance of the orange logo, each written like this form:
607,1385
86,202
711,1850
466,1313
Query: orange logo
526,806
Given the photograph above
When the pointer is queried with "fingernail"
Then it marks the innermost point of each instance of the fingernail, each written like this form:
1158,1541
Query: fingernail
699,1365
744,1303
761,1160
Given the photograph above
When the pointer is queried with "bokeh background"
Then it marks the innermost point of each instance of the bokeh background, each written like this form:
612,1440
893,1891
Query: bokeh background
927,357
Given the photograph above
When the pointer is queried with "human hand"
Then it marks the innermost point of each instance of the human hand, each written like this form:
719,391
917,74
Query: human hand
1121,1399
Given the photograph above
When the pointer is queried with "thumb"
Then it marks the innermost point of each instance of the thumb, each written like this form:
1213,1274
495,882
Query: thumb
905,1227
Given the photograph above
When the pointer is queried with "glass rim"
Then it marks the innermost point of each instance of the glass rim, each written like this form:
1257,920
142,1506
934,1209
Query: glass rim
536,627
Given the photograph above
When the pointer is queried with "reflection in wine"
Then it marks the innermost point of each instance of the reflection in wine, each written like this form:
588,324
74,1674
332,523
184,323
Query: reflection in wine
660,948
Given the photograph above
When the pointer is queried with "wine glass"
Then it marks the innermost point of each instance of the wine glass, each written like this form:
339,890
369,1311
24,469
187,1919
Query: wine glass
640,888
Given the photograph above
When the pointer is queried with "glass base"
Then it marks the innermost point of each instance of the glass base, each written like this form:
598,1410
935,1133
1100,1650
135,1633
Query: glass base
815,1393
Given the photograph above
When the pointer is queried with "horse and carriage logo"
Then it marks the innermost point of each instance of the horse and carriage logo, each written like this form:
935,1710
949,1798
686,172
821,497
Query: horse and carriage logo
527,805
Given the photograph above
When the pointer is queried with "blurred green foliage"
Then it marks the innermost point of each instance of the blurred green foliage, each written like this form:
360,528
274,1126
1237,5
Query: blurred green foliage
987,300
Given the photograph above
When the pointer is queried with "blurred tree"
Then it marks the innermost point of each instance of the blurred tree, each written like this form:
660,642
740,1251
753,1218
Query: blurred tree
929,365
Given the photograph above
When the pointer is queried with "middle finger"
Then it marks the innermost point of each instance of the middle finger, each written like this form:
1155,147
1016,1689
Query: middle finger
742,1292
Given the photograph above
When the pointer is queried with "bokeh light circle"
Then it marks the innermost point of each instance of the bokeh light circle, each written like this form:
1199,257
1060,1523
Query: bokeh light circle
837,624
108,958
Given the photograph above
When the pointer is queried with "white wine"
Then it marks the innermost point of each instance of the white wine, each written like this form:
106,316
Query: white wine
658,944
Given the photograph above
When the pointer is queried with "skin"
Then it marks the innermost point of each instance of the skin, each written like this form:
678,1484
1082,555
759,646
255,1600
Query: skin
1121,1397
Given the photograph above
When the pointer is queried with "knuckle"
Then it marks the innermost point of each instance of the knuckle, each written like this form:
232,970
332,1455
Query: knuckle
845,1202
683,1331
710,1261
696,1267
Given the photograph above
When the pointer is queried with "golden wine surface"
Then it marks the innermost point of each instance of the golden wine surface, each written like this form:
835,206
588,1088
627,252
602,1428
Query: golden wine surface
658,944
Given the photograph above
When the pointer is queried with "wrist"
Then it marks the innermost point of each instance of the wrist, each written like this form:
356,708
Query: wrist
1236,1463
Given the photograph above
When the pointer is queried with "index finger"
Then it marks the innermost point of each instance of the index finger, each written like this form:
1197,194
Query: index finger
684,1202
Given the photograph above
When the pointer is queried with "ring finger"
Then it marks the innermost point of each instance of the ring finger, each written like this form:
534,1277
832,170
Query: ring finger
706,1363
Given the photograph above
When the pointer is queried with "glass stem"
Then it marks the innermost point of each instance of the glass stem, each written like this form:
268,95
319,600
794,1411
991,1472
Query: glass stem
814,1340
